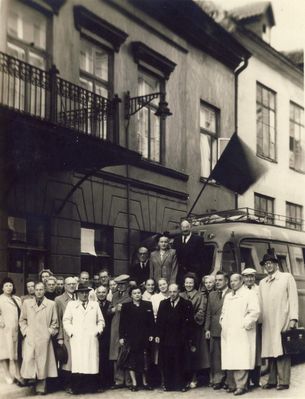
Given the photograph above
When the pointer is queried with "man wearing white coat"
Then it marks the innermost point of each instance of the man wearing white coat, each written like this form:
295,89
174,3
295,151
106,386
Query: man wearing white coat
238,321
279,303
83,322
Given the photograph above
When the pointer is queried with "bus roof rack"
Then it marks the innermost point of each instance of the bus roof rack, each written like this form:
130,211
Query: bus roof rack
248,215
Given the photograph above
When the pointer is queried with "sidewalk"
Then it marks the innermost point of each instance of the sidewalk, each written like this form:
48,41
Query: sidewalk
297,390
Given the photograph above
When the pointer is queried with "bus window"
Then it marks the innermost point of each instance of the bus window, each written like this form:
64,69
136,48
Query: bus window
297,258
252,253
228,259
281,252
208,256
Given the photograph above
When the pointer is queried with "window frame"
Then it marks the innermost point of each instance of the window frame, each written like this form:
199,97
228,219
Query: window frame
293,222
262,155
213,136
153,108
302,125
265,212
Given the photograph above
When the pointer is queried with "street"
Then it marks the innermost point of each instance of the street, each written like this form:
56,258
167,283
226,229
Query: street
296,390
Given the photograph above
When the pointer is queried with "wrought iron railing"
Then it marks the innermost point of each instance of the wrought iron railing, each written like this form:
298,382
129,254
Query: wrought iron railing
42,94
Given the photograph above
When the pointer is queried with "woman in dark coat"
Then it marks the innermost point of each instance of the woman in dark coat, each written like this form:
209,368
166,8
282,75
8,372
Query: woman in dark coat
198,358
136,330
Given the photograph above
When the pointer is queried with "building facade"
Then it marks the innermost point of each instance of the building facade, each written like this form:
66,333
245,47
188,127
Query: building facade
111,115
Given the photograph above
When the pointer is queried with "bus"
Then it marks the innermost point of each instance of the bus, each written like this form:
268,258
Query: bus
239,238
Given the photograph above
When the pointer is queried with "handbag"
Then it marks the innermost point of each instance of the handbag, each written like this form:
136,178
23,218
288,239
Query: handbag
293,341
123,356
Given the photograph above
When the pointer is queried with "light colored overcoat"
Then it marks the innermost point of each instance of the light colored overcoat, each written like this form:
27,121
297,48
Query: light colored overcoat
9,333
61,304
279,304
38,324
83,326
238,321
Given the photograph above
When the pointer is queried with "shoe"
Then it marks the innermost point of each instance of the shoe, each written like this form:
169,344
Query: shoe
239,391
230,390
218,386
281,387
225,386
21,384
69,391
184,389
210,384
269,386
134,388
193,385
9,380
147,387
117,386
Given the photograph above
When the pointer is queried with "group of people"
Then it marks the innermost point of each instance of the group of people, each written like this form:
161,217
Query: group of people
164,324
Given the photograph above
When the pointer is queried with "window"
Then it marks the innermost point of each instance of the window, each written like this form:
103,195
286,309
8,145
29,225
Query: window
265,122
294,216
149,126
264,207
297,256
296,138
208,138
27,41
27,244
95,65
228,258
96,248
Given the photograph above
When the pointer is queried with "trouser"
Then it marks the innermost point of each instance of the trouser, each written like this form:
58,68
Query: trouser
172,360
40,386
240,379
65,378
83,383
121,376
280,370
254,375
218,376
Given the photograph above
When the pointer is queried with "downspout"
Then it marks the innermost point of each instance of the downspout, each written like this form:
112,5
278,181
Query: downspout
241,67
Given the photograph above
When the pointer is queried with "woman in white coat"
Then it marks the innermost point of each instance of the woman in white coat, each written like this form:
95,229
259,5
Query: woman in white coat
238,319
9,315
83,322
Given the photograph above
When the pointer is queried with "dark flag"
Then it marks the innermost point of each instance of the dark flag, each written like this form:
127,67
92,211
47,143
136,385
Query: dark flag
238,167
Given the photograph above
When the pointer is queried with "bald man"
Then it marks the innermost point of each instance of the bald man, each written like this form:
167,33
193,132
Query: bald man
62,337
174,334
189,252
139,271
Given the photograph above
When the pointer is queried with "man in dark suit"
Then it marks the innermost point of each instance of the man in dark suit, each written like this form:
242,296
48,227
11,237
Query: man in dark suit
139,271
189,251
174,333
62,337
105,367
219,378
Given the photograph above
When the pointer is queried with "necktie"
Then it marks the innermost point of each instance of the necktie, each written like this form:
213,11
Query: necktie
84,305
142,265
173,304
250,288
184,239
219,294
38,302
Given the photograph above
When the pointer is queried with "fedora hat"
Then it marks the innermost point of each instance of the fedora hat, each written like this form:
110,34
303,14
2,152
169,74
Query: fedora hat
269,257
83,288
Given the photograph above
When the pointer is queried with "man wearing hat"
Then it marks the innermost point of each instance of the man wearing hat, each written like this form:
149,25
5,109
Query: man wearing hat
254,375
279,306
121,377
83,322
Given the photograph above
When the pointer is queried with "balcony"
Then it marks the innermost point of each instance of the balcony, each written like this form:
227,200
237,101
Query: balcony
49,119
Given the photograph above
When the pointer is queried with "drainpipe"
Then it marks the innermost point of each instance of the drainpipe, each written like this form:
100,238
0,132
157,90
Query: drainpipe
242,66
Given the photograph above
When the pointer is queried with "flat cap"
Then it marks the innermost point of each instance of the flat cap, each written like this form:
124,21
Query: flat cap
122,278
248,270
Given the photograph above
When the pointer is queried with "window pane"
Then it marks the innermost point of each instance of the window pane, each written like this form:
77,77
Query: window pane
86,57
101,91
101,64
36,60
147,85
27,24
205,150
207,119
15,51
265,98
142,134
155,138
297,260
86,84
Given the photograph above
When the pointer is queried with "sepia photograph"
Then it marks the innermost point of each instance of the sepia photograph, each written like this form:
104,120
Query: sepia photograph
152,199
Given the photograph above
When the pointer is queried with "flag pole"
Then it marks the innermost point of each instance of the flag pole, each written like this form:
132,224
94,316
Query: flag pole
199,195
